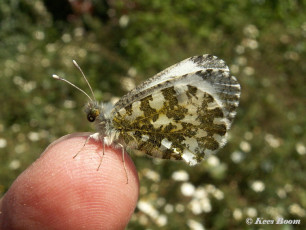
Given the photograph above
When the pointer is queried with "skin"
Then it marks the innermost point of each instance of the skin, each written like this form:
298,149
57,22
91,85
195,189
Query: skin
59,192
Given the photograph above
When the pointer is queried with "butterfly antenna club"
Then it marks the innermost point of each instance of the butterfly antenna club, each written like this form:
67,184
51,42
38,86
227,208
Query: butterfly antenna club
73,85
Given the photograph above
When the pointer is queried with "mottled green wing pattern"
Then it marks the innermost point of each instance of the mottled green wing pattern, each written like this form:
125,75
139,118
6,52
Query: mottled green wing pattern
184,117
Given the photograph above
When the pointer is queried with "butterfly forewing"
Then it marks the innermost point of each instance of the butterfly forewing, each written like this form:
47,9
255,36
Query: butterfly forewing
189,65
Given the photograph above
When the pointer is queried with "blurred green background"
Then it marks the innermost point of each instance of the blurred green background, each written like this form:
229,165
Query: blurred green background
259,173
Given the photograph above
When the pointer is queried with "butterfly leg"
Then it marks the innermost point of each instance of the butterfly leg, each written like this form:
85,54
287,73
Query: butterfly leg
101,157
123,161
94,136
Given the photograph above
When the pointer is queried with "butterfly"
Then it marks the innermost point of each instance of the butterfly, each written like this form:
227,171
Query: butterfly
182,113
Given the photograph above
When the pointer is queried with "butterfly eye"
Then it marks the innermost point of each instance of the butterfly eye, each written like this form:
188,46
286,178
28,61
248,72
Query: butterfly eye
92,115
91,118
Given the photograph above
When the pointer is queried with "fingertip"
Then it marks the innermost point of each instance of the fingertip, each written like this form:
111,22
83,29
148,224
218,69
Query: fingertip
58,190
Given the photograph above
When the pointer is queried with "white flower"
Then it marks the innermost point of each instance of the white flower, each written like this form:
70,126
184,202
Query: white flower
258,186
180,175
187,189
3,143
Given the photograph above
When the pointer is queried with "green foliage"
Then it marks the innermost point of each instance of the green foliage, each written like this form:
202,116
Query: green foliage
260,172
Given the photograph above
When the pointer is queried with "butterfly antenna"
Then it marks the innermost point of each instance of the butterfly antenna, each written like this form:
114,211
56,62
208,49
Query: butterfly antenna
79,68
73,85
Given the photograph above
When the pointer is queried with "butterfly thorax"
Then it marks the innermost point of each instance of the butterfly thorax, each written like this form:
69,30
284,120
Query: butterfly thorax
100,114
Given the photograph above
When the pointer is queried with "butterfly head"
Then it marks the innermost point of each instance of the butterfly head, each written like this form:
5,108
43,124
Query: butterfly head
93,111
